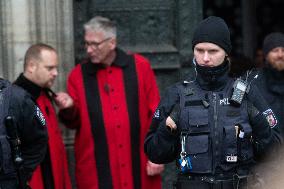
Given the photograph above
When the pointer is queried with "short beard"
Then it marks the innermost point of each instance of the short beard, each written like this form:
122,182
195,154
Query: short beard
278,65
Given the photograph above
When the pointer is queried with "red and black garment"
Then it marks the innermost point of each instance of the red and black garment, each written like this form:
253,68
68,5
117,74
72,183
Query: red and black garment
112,114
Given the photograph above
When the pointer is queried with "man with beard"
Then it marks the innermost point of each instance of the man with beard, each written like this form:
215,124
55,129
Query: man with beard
271,83
271,79
211,125
40,71
23,136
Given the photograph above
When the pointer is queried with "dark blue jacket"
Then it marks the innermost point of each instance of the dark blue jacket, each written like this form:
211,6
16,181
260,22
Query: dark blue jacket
31,130
271,84
212,135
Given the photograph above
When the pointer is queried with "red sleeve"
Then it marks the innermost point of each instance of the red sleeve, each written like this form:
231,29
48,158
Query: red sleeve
70,116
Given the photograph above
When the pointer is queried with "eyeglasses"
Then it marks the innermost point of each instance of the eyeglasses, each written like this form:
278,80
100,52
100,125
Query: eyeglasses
95,45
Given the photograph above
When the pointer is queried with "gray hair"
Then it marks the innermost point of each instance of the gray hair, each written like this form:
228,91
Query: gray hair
101,24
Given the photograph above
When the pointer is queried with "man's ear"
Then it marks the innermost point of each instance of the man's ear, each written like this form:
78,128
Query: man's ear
113,43
31,66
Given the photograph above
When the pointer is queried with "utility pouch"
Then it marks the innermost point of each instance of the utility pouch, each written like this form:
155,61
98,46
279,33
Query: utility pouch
197,148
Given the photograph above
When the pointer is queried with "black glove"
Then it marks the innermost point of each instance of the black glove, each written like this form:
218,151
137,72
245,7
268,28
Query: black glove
175,113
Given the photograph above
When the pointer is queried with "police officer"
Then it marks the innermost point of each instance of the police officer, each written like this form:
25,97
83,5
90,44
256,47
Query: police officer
271,77
211,124
28,126
271,83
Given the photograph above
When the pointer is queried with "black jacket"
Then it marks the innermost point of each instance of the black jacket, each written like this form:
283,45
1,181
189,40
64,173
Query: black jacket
163,146
271,84
31,127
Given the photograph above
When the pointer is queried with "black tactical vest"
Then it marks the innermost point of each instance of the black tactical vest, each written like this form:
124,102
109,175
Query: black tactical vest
217,133
6,163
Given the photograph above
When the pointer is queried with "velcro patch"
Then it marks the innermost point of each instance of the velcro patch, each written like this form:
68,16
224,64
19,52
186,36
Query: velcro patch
270,117
40,116
233,113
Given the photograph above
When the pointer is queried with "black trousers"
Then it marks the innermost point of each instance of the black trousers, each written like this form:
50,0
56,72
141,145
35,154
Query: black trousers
9,184
198,183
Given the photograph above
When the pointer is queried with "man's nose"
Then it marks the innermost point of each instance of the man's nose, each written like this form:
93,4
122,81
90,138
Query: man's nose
55,72
206,56
89,49
281,52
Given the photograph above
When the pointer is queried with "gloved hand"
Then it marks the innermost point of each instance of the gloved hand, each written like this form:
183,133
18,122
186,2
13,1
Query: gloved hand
175,113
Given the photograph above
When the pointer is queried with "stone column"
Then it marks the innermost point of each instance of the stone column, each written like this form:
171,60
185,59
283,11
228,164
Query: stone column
25,22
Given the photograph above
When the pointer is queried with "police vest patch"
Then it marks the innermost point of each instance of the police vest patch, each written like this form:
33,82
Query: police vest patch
40,116
224,101
270,117
157,114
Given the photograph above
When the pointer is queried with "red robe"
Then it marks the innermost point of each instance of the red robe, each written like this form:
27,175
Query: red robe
114,106
59,166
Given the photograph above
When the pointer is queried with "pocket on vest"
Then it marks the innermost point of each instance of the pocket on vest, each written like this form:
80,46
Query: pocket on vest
198,116
229,156
197,147
245,144
235,145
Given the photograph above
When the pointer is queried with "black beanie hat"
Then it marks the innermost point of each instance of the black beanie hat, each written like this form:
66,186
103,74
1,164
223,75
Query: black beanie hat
213,30
272,41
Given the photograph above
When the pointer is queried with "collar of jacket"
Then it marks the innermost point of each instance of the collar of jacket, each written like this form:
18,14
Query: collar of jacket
213,79
121,60
29,86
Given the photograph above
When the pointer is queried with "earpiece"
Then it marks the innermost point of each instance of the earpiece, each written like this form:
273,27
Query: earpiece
193,61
